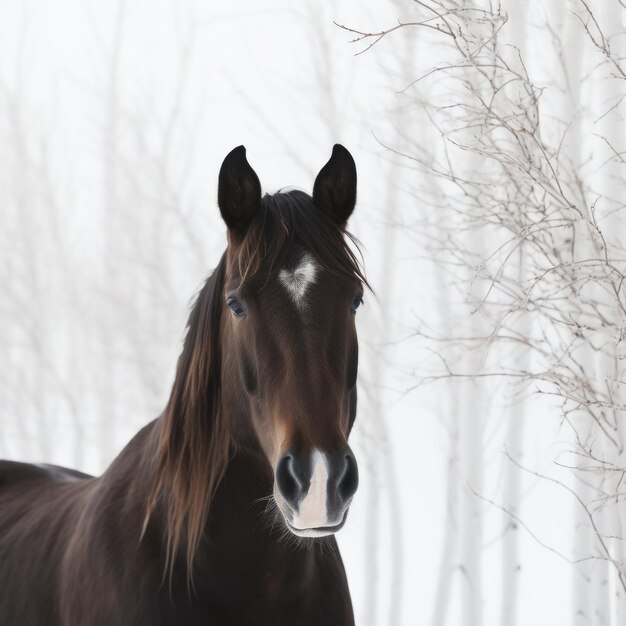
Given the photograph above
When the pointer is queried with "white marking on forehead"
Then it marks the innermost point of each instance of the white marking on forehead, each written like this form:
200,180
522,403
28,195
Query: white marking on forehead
313,511
297,281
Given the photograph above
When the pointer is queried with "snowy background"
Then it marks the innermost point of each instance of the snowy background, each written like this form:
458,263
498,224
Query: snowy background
114,119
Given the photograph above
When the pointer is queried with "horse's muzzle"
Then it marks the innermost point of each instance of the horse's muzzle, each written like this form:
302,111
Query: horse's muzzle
314,490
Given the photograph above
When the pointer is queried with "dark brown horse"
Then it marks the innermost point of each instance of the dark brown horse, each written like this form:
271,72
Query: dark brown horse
222,511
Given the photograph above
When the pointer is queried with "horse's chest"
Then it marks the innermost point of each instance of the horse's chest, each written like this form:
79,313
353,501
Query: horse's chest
277,592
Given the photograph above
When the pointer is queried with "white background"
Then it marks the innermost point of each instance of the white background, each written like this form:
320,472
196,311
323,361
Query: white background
114,120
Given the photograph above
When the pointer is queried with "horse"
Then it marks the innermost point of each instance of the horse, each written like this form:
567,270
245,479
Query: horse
223,510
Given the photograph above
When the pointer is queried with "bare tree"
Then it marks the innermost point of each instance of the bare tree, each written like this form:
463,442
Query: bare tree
531,234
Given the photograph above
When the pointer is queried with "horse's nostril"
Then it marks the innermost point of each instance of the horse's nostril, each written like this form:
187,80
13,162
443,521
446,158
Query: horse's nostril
287,480
349,480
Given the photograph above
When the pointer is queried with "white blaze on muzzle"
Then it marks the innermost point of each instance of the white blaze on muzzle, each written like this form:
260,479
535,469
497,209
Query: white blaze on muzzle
313,508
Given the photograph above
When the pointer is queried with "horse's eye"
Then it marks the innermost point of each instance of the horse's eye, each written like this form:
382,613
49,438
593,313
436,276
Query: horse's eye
356,303
236,307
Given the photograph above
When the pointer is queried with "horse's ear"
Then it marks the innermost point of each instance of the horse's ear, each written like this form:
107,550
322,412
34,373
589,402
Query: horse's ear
238,191
334,191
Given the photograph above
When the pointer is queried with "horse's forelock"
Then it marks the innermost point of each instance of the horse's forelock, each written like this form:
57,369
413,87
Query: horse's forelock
291,218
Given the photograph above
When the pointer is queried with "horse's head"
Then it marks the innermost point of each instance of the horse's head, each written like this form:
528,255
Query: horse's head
292,287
